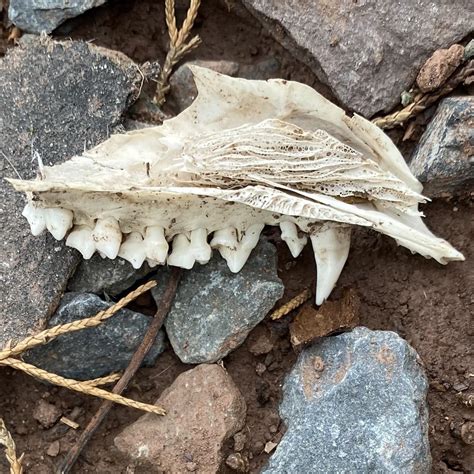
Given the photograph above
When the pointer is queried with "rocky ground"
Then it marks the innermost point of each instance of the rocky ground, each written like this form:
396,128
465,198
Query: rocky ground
243,392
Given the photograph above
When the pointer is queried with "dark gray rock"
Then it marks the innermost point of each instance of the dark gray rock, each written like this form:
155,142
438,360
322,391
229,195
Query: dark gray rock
215,309
36,16
355,403
102,275
444,158
94,352
368,51
56,99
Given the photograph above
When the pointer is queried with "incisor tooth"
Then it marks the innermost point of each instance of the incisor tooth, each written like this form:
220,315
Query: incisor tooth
58,221
156,246
81,239
181,256
331,247
289,234
199,247
237,253
107,236
35,217
133,249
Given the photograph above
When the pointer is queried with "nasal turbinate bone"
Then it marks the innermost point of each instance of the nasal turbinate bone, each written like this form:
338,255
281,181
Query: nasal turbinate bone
331,247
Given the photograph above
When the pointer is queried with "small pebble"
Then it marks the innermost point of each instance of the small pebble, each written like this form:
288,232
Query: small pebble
467,432
46,413
260,368
237,462
53,449
191,466
257,447
460,387
239,441
273,429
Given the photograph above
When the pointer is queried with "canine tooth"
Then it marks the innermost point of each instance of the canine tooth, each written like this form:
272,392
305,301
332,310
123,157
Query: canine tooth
289,233
331,248
80,238
107,236
238,252
58,221
133,249
35,217
156,246
181,256
199,247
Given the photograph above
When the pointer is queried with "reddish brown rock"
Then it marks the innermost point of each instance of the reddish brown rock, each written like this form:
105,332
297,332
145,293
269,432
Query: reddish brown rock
204,408
439,67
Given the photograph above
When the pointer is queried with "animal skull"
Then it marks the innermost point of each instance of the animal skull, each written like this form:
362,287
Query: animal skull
244,155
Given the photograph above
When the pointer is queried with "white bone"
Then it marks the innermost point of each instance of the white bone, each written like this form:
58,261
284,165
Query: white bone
289,234
156,246
181,256
133,250
107,236
80,238
35,217
199,247
236,253
331,247
58,221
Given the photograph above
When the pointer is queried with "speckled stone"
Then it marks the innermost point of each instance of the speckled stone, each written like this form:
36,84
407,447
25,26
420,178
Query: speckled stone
355,403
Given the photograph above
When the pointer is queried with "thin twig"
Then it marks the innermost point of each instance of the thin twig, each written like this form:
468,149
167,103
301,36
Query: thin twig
130,371
178,47
10,449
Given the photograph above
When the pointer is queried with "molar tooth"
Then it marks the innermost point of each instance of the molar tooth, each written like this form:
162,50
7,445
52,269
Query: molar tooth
156,246
237,253
331,248
107,236
181,256
133,249
58,221
289,233
80,238
225,238
35,217
199,247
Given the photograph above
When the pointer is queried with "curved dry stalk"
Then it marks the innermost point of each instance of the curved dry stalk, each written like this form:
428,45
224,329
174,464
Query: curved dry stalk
178,47
10,449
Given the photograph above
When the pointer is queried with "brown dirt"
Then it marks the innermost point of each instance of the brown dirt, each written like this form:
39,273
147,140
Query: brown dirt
426,303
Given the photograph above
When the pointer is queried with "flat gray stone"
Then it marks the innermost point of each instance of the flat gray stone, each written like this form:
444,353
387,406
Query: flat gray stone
36,16
215,309
56,99
94,352
355,403
444,158
102,275
367,51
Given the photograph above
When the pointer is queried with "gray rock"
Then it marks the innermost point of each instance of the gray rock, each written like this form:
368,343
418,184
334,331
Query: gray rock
36,16
444,158
94,352
355,403
368,51
56,99
102,275
215,309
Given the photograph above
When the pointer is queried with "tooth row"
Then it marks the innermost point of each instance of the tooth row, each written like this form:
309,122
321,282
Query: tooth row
330,244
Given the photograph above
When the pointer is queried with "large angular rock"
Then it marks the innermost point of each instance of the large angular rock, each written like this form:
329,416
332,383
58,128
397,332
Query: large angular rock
355,403
368,51
36,16
215,309
94,352
204,408
444,158
56,99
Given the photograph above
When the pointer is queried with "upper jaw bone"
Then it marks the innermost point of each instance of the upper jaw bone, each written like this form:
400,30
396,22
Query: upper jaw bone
190,248
236,252
289,234
107,236
331,247
133,249
156,246
81,239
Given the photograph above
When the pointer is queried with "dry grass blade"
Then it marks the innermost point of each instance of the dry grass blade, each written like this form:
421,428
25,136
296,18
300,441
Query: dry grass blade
178,47
49,334
10,449
294,303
